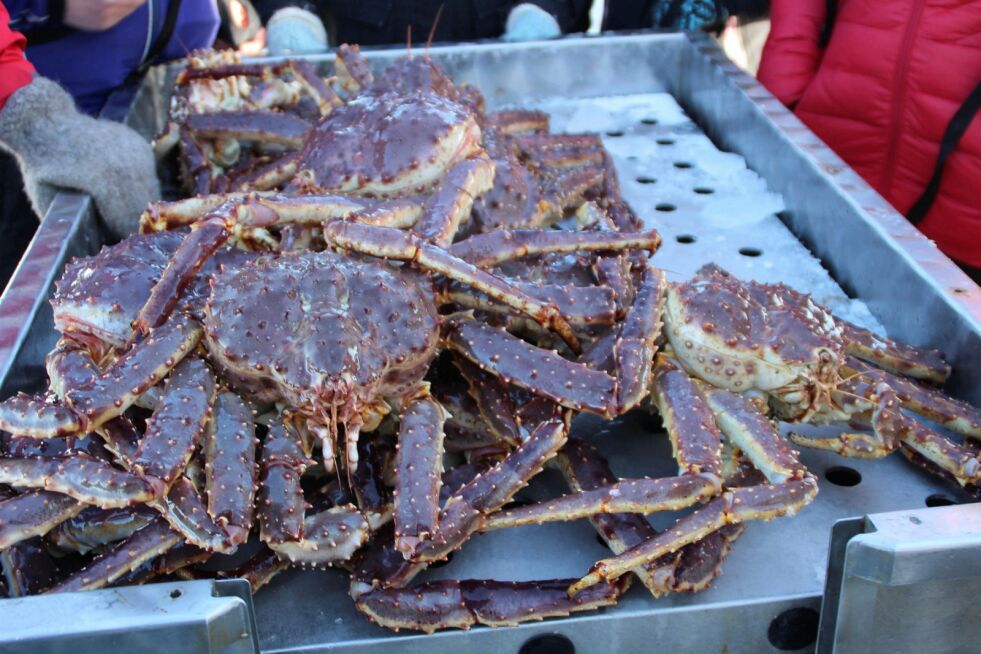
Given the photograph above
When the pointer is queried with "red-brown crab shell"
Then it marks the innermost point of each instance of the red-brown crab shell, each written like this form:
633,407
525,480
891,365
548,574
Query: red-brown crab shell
327,334
387,144
727,337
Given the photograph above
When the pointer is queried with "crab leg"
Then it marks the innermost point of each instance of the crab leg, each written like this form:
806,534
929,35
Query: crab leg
331,536
270,175
691,426
625,496
519,121
763,502
195,167
896,357
419,464
468,508
633,350
280,504
690,569
132,374
185,511
325,96
177,426
28,415
261,568
81,476
463,604
230,467
497,246
493,403
94,527
34,513
27,568
750,431
543,372
582,306
395,244
373,497
147,543
953,414
351,69
268,126
450,205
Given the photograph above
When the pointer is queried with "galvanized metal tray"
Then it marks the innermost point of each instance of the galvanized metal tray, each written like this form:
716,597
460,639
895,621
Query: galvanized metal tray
759,224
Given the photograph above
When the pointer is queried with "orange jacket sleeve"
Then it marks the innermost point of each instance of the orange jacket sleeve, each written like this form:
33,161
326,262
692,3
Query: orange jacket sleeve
792,52
15,70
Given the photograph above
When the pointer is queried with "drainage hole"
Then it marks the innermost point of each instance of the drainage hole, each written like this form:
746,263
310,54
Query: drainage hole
664,206
843,476
174,594
939,499
665,141
704,190
649,121
793,629
614,133
682,164
440,564
750,252
548,644
646,180
631,157
685,238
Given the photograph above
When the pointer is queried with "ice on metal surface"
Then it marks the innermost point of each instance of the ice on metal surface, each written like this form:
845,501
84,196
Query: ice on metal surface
707,205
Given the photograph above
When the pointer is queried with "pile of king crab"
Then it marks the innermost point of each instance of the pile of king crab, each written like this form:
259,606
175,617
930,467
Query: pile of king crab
371,323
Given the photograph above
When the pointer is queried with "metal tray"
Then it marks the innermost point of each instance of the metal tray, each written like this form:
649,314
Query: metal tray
773,582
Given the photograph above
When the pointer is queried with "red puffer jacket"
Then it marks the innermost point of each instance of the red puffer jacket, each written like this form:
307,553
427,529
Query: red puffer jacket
881,95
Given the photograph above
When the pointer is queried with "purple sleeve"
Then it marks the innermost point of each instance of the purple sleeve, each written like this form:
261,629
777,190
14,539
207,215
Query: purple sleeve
28,15
197,25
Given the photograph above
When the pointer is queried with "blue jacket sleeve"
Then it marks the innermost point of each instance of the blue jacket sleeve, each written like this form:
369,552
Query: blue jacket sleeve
30,15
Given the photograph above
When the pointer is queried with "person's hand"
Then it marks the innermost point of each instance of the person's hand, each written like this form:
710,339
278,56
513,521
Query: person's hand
98,15
59,148
295,31
528,22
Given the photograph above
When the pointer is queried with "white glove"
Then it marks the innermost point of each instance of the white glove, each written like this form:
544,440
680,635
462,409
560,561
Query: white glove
59,148
295,31
528,22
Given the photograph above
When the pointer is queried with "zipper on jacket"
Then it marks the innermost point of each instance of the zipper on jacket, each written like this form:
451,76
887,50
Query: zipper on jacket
900,88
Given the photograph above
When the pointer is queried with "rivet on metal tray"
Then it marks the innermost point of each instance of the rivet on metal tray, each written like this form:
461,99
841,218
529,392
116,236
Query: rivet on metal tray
793,629
750,252
843,476
664,206
685,238
665,141
682,164
939,499
548,644
646,180
649,121
704,190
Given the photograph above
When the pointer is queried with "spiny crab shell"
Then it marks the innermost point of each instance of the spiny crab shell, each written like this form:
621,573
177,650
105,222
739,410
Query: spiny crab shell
334,334
387,142
99,297
741,337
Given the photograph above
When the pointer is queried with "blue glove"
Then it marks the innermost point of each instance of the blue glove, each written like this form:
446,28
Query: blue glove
295,31
528,22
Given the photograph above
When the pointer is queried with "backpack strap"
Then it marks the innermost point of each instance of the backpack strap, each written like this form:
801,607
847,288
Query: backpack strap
163,38
955,130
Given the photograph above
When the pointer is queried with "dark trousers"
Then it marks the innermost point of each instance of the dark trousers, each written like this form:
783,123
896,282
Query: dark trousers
17,219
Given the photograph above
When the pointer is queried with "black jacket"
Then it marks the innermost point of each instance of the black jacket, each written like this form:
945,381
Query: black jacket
376,22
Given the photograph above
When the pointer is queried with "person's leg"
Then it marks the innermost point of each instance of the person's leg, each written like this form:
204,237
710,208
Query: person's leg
17,219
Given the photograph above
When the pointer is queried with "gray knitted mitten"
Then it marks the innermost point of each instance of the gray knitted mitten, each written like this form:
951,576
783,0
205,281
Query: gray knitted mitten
59,148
